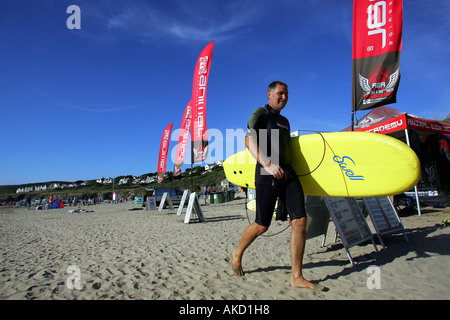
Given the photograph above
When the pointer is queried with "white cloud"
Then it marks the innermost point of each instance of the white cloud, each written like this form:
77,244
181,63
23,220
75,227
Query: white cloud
149,22
88,108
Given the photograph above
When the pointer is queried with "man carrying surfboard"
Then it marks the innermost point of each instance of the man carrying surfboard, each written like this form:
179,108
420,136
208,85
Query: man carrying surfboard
267,140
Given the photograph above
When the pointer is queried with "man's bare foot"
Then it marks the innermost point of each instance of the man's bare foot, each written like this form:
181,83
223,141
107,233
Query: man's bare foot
236,266
300,282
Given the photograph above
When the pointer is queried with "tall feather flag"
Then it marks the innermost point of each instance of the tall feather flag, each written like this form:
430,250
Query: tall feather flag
199,134
163,150
183,139
377,43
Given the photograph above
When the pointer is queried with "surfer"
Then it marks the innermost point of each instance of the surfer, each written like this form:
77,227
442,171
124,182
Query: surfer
267,139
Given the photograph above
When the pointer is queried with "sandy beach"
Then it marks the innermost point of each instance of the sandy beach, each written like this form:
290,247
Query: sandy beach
118,253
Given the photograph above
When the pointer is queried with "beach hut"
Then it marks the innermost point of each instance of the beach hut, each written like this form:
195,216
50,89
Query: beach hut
430,139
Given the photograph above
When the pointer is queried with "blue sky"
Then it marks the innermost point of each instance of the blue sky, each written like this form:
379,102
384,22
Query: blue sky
82,104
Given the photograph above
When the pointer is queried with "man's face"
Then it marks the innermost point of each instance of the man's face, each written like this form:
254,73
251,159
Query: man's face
278,97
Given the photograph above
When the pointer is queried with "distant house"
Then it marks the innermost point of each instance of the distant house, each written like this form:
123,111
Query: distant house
143,179
104,181
210,166
147,179
124,181
31,189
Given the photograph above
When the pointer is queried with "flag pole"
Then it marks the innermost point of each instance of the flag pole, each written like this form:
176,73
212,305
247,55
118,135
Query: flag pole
353,120
192,182
192,161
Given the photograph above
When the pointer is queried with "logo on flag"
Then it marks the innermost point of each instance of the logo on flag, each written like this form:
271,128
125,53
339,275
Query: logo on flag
378,86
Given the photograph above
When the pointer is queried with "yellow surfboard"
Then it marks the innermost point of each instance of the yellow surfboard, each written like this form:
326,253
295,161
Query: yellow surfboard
251,205
340,164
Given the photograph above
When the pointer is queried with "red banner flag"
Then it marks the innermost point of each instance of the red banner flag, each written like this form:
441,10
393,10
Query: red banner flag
199,134
377,43
163,149
183,139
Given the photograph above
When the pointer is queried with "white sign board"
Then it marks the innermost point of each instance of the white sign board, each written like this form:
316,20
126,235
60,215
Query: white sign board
350,222
186,195
165,198
194,206
384,216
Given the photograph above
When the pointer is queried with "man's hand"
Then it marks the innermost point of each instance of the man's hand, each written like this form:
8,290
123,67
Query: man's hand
275,170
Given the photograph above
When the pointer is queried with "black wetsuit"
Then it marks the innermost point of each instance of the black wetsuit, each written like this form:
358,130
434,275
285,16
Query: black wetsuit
266,124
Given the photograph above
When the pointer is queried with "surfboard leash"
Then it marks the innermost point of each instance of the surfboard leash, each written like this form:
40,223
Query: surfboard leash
248,219
323,157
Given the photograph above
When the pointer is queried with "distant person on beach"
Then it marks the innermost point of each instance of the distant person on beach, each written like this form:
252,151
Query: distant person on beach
275,178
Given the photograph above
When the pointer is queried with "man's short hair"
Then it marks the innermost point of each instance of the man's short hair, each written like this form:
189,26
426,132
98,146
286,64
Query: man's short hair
274,84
